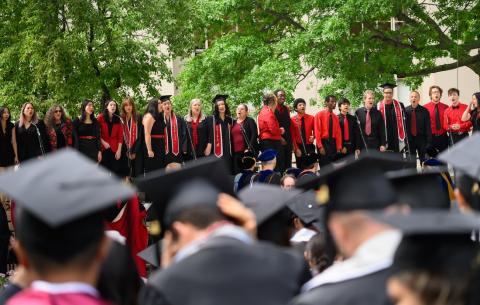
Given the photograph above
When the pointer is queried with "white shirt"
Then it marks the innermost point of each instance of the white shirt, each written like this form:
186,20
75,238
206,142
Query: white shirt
67,287
302,235
373,255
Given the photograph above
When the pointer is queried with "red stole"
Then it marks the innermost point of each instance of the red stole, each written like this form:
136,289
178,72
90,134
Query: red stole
195,131
174,134
217,139
130,132
398,115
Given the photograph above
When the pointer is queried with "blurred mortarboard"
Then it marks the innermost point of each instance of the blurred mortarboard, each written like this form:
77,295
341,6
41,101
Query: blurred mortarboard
267,155
247,161
197,183
265,200
387,86
220,97
293,171
420,190
465,156
356,184
62,187
305,207
310,160
165,98
151,254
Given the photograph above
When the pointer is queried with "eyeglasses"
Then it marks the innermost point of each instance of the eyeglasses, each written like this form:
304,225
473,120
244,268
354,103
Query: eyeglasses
58,111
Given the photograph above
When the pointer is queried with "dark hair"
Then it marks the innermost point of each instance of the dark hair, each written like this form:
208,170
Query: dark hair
216,113
119,281
152,107
469,188
278,91
451,90
328,97
298,101
317,254
115,118
434,87
2,110
84,114
277,229
342,101
199,216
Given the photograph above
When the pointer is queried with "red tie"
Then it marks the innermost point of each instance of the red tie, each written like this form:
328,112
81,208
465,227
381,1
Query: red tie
413,126
346,134
368,124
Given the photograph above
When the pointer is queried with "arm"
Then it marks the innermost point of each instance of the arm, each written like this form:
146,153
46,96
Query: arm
119,140
253,133
14,144
466,114
44,136
338,135
209,125
428,127
294,133
182,133
446,120
99,144
148,121
317,128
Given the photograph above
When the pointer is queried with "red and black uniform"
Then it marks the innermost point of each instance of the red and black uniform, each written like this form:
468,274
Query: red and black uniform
452,116
439,133
350,133
220,138
270,134
282,113
132,143
302,130
418,130
175,139
328,135
61,135
111,132
197,138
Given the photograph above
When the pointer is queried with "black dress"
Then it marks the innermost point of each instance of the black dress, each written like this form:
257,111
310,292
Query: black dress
475,119
87,138
7,155
158,146
201,142
224,148
32,142
4,239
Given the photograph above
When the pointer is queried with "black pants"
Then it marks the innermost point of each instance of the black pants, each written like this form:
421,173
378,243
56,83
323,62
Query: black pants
286,151
309,149
372,143
418,146
330,147
440,143
110,163
458,136
274,144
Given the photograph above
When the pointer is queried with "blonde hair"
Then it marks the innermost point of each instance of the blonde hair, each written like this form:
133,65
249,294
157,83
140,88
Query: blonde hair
368,92
189,116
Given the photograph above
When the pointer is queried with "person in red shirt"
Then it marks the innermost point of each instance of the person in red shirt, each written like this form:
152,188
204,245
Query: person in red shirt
301,128
111,137
436,109
452,119
270,132
328,134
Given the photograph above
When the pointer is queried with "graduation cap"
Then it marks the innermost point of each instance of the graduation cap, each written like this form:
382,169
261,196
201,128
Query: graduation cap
309,160
247,161
164,98
305,207
150,254
464,156
420,190
265,200
219,97
293,171
61,199
197,183
357,183
387,86
267,155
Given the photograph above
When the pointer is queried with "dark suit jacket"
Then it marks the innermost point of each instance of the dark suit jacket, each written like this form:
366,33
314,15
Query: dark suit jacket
354,131
378,127
228,271
424,128
251,132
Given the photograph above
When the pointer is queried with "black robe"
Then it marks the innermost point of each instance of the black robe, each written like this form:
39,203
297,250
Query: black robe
31,141
377,136
4,239
226,140
228,271
393,143
182,141
202,134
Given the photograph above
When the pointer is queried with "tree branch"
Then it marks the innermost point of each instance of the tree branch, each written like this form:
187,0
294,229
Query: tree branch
285,17
461,63
381,36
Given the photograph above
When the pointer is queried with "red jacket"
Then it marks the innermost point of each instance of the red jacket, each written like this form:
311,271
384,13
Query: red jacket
321,128
268,126
431,110
454,116
295,129
116,138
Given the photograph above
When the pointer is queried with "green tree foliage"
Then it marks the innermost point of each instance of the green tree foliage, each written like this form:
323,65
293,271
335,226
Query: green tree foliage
62,51
259,45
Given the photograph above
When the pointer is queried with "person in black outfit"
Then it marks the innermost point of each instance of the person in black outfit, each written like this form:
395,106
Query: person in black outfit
372,127
419,130
175,133
283,117
472,112
197,134
154,128
8,146
4,239
133,139
351,141
32,141
244,137
87,132
59,128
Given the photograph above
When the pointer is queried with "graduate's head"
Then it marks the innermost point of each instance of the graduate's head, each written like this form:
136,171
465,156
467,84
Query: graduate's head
220,106
368,99
414,98
435,93
128,108
166,103
330,102
344,105
453,96
387,90
299,105
111,110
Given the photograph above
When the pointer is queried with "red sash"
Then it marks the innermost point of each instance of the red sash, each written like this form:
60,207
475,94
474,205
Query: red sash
130,131
217,139
174,134
398,115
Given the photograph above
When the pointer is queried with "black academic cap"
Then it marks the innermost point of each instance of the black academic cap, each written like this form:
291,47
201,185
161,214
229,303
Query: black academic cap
219,97
310,160
293,171
62,187
356,184
465,156
151,254
420,190
164,98
388,86
305,207
265,200
247,161
163,187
